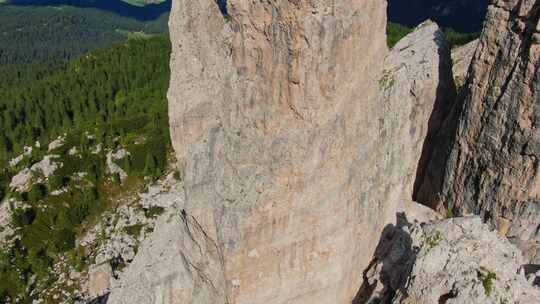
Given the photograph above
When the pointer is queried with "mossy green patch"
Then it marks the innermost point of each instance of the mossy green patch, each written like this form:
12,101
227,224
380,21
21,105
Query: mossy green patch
387,80
154,211
134,230
434,240
487,277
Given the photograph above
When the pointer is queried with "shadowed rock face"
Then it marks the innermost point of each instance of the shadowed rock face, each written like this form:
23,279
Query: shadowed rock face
493,167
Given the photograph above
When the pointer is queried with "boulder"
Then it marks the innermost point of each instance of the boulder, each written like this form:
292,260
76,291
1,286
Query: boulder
461,61
418,90
459,260
276,125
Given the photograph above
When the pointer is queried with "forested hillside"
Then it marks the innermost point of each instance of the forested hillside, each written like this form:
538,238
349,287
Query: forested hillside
31,34
94,129
38,104
461,15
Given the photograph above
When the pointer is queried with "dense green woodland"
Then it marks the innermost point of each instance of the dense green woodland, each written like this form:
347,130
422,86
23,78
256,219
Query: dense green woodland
31,34
99,88
115,97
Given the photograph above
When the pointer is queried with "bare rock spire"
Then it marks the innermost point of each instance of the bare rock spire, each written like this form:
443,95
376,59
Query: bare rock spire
493,168
297,149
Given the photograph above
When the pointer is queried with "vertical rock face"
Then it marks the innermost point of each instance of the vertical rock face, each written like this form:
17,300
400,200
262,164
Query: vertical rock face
275,123
493,168
418,92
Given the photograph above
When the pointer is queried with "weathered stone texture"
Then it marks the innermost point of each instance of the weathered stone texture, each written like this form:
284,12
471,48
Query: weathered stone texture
418,92
288,142
266,113
461,61
458,260
493,168
178,264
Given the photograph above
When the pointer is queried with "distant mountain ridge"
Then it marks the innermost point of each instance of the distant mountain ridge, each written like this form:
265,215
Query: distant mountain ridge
42,34
142,10
460,15
132,2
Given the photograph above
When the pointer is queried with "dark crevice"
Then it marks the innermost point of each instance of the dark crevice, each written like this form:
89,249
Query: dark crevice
441,127
100,300
222,4
117,265
487,216
447,296
532,269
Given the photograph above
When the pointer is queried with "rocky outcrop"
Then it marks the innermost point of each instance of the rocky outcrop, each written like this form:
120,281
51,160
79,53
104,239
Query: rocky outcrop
461,61
57,143
300,138
452,261
418,91
294,159
299,143
493,168
179,264
112,167
38,172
